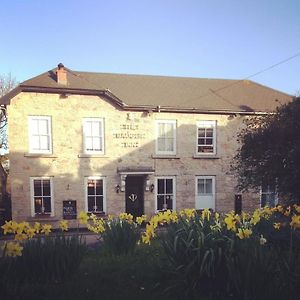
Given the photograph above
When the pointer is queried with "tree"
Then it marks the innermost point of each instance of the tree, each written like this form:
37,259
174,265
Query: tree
7,83
269,152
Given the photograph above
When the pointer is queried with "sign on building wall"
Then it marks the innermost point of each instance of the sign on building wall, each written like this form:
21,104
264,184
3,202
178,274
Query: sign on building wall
69,209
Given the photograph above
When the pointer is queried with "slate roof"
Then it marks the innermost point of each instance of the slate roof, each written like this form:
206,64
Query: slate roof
173,93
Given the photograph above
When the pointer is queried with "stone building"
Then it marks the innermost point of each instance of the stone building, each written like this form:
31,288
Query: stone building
109,143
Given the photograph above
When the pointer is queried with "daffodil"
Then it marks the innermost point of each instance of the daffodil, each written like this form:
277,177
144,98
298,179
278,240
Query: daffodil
277,225
244,233
230,222
63,224
83,217
295,223
206,213
141,219
37,227
30,232
46,229
21,237
12,249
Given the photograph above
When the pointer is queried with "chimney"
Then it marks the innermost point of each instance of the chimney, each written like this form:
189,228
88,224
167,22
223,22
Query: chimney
61,74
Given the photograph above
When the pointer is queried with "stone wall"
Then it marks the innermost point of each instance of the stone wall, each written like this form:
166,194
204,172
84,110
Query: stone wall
129,142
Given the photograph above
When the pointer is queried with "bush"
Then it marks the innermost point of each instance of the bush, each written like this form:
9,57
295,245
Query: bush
44,259
120,236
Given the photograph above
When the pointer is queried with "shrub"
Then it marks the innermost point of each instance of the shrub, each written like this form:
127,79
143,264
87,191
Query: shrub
45,259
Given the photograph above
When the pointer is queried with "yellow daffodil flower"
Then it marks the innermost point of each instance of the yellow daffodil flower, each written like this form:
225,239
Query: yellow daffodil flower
12,249
46,229
277,225
63,224
244,233
83,217
295,223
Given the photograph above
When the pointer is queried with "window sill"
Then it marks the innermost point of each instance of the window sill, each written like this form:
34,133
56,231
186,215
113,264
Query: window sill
42,218
83,155
166,156
206,156
40,155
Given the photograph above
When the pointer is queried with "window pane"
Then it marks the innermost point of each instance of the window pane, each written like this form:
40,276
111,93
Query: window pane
91,203
209,141
34,126
99,187
209,132
161,188
96,128
46,188
201,141
37,187
169,186
43,126
169,202
169,130
201,188
96,144
47,204
89,143
169,145
160,202
99,203
91,187
160,144
35,142
38,205
208,186
201,132
87,128
44,142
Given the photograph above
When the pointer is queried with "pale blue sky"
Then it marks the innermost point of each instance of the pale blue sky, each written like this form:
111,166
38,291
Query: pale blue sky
211,39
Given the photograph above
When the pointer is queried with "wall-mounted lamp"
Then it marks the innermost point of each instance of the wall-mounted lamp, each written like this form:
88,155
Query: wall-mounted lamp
152,188
118,188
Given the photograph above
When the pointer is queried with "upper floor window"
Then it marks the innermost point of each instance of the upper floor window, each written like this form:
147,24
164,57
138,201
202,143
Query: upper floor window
93,137
40,140
268,196
166,137
206,137
41,195
95,194
165,193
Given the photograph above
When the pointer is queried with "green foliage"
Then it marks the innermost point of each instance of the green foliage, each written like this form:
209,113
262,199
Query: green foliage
196,254
44,259
120,236
270,152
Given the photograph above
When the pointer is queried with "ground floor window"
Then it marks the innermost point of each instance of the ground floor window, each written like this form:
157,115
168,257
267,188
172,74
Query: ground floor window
268,196
95,194
165,193
205,192
42,195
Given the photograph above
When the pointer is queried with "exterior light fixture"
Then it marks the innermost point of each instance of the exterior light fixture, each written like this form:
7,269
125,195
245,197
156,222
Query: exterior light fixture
118,188
152,188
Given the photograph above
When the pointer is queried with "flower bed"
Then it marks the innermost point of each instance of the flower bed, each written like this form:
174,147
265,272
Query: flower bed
206,254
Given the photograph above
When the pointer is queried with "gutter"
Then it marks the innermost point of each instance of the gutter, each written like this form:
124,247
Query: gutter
5,100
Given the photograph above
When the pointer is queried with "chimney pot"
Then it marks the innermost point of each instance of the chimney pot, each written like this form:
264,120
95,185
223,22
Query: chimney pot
61,74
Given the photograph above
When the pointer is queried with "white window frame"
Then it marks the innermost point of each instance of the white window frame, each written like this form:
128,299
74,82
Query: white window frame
268,192
213,178
157,123
32,179
174,191
207,124
30,134
101,121
86,192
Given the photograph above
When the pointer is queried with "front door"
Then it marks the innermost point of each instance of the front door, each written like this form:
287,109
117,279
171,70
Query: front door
135,195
